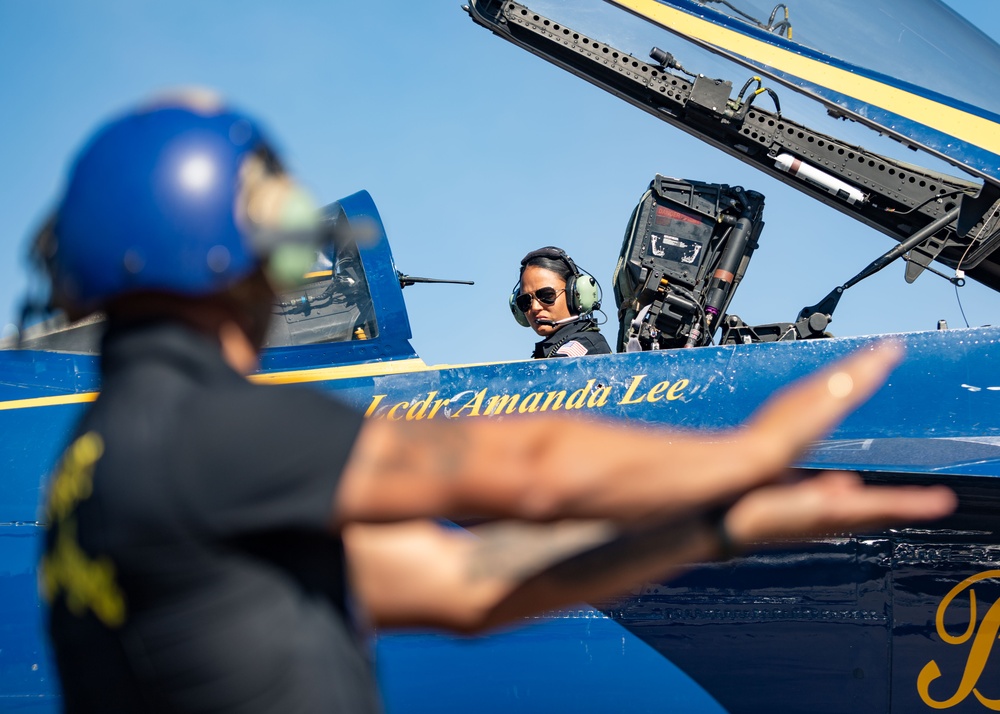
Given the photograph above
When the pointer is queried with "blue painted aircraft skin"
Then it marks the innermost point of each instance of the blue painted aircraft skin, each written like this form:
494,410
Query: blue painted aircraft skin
897,621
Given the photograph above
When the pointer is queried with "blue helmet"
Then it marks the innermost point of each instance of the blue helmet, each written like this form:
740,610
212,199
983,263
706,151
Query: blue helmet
185,198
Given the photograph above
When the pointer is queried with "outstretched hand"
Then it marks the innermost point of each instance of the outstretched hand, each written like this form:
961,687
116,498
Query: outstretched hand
831,502
811,407
761,451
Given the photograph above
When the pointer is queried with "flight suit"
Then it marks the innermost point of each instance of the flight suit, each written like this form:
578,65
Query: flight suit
573,340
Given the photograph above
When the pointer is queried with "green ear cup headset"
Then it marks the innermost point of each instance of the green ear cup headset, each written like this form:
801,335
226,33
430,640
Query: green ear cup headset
583,294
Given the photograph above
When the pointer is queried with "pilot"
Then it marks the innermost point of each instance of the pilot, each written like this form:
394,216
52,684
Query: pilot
557,300
217,545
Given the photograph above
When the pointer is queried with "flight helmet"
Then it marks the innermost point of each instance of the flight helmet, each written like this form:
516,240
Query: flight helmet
183,196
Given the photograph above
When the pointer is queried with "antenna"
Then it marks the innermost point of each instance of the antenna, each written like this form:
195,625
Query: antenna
405,280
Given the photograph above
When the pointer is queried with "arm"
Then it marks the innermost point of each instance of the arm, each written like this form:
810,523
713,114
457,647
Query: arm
514,468
421,574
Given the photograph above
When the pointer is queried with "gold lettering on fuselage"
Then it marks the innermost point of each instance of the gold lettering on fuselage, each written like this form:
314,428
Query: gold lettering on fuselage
473,405
591,395
502,404
530,403
663,390
85,582
979,653
376,400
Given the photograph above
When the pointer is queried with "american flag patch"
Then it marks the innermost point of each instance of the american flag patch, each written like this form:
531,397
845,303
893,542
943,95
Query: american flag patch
572,349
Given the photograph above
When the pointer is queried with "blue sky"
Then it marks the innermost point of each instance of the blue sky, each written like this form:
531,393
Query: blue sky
475,152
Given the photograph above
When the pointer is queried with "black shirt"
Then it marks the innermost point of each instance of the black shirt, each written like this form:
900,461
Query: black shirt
574,339
189,563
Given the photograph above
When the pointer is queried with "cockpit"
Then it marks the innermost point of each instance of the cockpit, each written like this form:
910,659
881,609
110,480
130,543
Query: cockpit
333,305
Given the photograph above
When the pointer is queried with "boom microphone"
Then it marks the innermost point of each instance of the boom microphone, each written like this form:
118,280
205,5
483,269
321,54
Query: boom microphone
554,323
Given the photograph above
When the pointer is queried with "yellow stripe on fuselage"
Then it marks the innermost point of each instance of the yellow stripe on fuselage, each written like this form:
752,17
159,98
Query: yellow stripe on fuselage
370,369
962,125
300,376
326,374
80,398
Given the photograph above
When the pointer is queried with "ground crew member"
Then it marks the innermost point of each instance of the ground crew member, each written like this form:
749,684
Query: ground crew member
557,300
212,542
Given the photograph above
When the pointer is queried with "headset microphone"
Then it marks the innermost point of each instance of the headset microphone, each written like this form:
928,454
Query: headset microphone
554,323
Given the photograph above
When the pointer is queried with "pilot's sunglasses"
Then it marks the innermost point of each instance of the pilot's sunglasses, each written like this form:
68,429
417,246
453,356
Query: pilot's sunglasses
545,296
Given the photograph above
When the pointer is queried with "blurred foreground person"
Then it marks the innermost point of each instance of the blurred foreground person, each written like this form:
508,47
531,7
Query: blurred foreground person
198,523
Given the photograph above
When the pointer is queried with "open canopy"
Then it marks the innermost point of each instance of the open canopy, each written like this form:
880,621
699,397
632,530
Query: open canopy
911,68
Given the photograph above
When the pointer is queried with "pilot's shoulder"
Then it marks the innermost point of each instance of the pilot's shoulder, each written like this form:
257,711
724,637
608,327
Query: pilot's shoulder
573,348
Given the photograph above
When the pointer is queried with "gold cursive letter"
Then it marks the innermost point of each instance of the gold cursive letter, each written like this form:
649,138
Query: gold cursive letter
980,652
